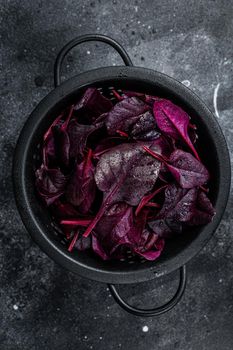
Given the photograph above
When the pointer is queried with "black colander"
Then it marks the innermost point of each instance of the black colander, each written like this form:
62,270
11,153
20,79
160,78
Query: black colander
39,222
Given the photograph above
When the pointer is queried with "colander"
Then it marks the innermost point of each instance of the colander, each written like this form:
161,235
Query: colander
39,222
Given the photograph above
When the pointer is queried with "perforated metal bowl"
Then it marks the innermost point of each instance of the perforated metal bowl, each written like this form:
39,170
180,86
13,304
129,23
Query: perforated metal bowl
39,222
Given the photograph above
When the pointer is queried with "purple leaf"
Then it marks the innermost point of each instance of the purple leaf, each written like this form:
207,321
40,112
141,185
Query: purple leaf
178,208
204,211
57,143
92,105
173,121
114,225
55,122
145,128
105,204
105,145
50,183
187,170
79,242
146,198
117,228
124,114
62,146
81,188
151,245
144,97
49,153
78,135
83,243
125,173
134,166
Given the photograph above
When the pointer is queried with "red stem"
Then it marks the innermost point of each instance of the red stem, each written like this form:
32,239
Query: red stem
122,133
102,209
88,163
118,96
79,222
151,204
206,190
71,246
53,124
147,198
155,155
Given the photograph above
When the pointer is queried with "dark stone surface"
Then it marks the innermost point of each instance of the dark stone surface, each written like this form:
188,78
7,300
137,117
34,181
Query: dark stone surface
43,306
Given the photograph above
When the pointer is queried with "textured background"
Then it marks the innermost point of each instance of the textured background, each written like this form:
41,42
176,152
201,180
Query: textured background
43,306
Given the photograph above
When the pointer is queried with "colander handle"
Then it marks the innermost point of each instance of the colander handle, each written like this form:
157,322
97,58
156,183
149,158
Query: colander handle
82,39
157,310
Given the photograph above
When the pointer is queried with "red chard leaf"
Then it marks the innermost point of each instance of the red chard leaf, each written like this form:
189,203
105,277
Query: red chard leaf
173,121
50,183
204,211
124,114
144,97
146,198
145,128
93,104
134,166
78,135
187,170
117,228
81,188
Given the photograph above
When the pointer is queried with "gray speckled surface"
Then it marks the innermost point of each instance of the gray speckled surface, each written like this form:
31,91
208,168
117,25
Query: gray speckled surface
43,306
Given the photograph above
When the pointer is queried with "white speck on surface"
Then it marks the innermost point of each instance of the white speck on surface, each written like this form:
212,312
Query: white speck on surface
95,317
215,100
114,64
145,329
171,30
109,295
15,307
107,289
186,83
101,338
149,27
108,307
220,280
88,52
58,309
136,8
227,61
85,337
139,22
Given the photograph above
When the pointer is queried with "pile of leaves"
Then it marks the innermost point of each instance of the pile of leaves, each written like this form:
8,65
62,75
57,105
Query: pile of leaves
123,176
